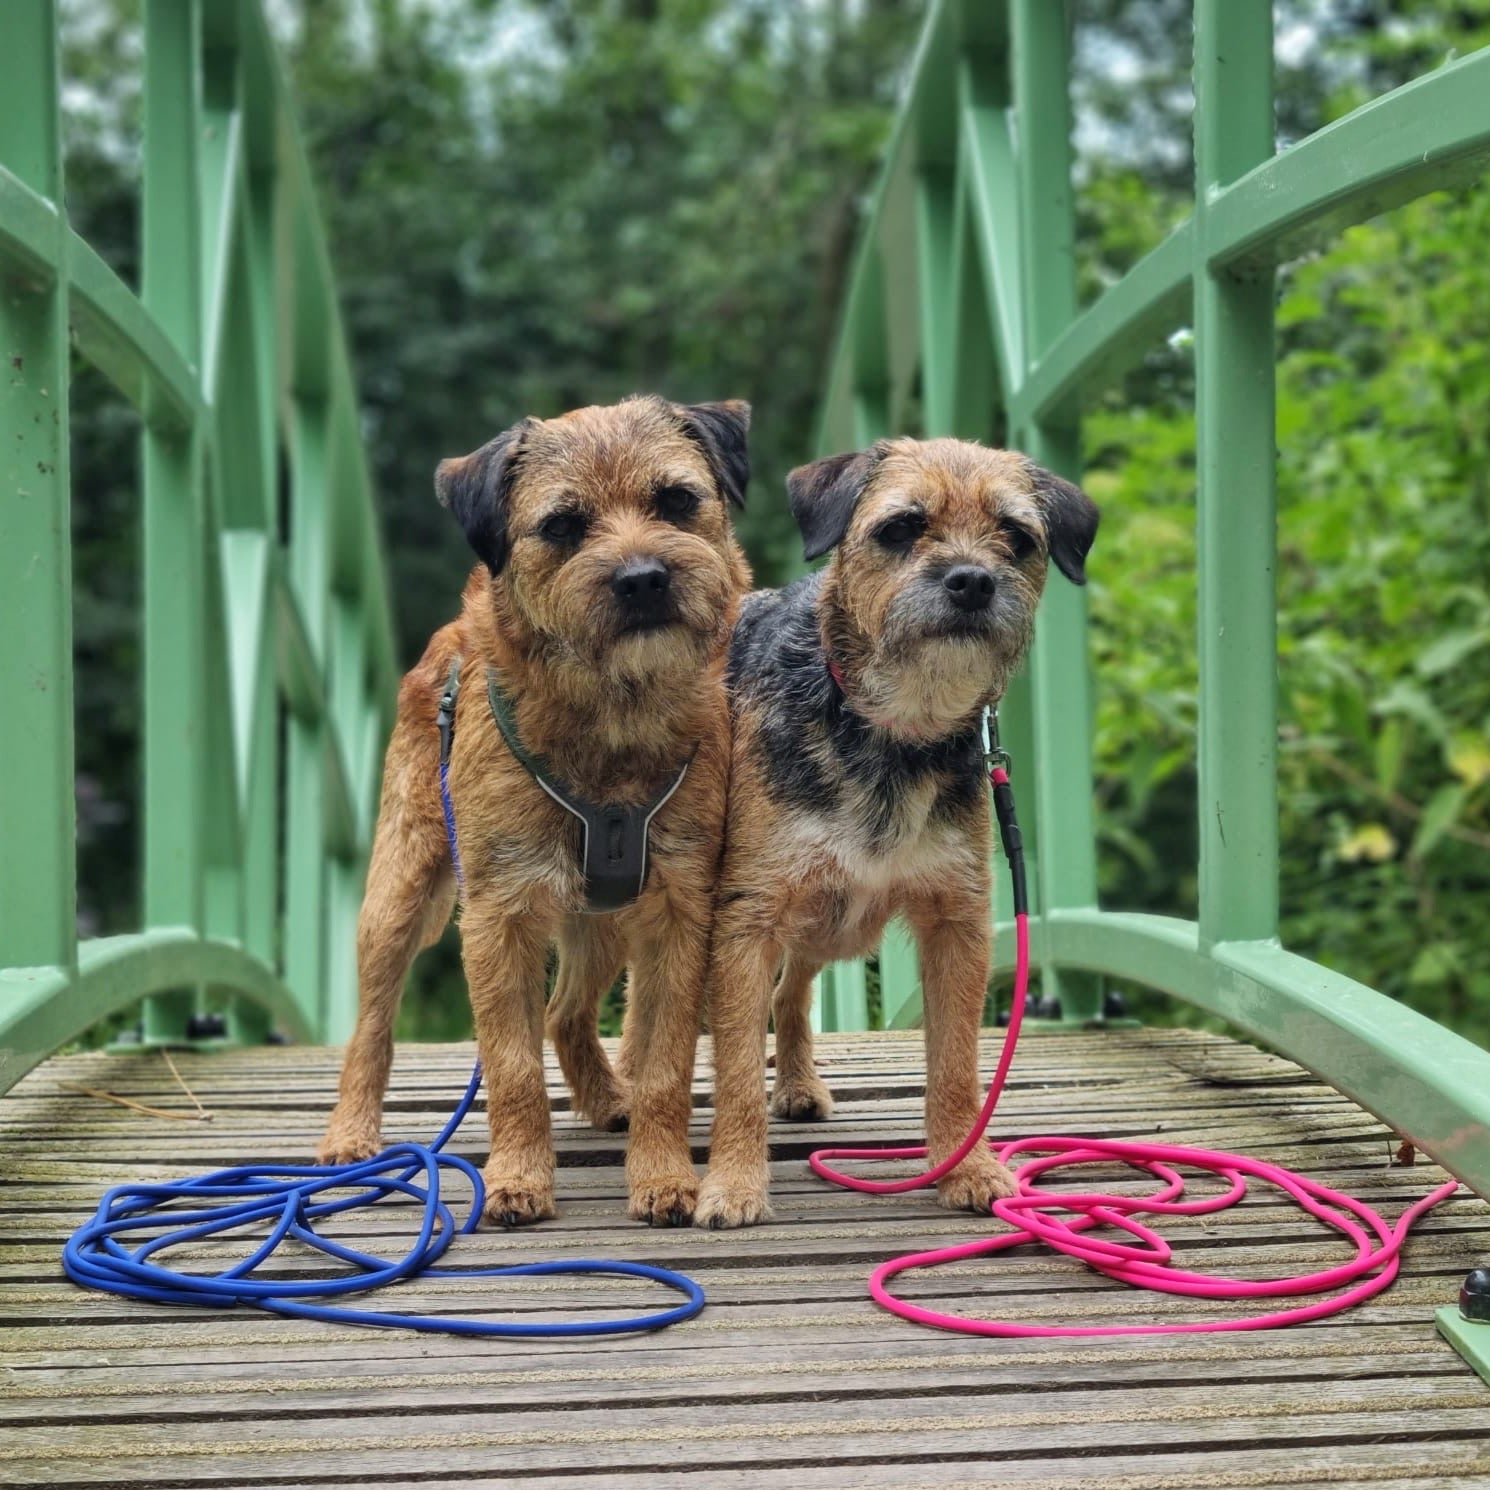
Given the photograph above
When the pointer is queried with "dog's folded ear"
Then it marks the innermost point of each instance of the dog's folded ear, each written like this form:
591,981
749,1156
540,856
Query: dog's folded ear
477,488
721,431
823,496
1071,519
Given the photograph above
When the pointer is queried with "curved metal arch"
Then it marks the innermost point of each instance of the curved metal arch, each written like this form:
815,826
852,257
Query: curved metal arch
240,627
1011,204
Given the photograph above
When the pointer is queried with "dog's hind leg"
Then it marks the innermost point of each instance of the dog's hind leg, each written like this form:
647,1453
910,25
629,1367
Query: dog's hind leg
406,907
590,958
798,1093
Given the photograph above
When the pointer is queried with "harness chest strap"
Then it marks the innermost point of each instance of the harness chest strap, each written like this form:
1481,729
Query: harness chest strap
614,853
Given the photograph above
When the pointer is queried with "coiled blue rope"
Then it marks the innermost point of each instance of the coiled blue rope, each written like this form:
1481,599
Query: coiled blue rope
288,1198
284,1196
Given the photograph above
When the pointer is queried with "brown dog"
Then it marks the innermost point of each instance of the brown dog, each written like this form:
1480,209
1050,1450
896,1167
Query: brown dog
589,654
858,789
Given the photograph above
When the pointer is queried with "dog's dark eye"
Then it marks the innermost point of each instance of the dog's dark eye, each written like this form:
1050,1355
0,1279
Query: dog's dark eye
902,531
676,503
563,527
1021,543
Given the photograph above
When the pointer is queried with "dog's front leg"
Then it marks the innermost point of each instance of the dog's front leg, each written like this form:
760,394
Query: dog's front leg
735,1189
954,942
669,952
504,952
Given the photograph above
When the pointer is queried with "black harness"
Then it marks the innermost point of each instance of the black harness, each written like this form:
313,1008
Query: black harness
614,853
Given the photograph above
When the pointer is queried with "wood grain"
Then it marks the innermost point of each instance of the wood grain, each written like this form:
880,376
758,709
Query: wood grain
791,1377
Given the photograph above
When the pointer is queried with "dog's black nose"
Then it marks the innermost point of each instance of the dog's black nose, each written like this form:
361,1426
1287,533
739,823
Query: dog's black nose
969,585
641,585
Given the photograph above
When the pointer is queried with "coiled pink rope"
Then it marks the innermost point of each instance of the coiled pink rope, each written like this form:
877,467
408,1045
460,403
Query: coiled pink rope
1064,1219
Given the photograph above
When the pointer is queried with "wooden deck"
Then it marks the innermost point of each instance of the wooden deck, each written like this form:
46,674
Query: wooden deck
791,1377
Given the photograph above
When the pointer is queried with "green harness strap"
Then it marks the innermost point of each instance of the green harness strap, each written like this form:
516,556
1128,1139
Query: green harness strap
614,855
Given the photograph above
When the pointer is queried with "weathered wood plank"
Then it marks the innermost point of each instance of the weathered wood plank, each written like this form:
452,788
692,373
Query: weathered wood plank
791,1376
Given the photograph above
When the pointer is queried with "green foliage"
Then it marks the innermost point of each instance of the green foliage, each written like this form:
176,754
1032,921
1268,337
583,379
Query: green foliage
636,195
539,203
653,195
1384,617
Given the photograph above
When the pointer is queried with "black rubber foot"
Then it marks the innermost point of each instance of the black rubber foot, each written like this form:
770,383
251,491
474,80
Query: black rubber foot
1474,1297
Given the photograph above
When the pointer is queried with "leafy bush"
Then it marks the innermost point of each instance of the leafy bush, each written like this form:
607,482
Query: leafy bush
1384,615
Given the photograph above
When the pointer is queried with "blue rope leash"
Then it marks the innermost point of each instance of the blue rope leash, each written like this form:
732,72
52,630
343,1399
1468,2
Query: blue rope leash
290,1198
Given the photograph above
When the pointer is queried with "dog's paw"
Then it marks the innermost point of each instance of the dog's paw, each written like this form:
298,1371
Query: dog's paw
346,1144
610,1112
724,1203
510,1203
976,1183
801,1099
664,1200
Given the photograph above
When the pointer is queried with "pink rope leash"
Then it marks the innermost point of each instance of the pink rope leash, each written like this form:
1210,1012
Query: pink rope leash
1064,1219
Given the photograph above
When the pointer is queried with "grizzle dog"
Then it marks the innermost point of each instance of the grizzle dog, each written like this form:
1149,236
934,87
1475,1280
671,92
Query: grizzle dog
587,666
857,788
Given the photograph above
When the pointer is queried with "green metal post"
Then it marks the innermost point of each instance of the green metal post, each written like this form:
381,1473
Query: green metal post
987,270
263,869
176,557
1236,505
344,899
305,771
267,747
850,1005
1060,681
38,907
936,287
234,263
939,288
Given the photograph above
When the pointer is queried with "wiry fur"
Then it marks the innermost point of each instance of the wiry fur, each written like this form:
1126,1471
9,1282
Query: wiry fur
850,806
613,710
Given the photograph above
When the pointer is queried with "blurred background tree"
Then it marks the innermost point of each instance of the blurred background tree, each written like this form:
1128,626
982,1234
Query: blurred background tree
535,204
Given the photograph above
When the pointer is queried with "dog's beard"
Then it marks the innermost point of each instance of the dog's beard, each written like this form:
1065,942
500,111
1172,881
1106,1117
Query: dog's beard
654,654
926,678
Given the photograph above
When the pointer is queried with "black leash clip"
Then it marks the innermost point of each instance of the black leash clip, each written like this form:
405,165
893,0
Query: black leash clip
445,719
1003,810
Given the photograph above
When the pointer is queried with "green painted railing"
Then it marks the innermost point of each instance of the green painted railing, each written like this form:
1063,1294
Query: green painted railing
964,291
254,834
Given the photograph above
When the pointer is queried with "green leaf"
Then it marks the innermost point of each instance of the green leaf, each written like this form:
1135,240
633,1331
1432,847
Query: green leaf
1469,758
1438,962
1439,816
1449,650
1391,747
1405,698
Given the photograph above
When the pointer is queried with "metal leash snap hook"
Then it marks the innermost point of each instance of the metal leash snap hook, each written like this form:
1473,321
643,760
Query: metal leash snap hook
995,757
